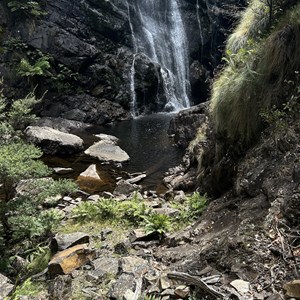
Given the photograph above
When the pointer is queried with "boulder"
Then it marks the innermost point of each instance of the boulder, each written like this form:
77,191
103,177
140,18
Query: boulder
91,172
53,141
64,241
106,151
66,261
124,283
125,188
292,289
5,286
105,267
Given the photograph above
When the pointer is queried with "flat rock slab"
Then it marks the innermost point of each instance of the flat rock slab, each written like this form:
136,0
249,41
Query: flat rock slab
241,286
65,241
105,151
53,141
5,286
66,261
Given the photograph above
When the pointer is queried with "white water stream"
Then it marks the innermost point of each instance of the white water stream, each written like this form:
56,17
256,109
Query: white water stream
158,32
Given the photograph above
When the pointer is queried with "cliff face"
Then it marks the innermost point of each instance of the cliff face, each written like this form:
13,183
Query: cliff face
90,43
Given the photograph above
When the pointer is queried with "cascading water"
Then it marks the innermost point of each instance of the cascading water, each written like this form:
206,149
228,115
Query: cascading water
133,109
158,32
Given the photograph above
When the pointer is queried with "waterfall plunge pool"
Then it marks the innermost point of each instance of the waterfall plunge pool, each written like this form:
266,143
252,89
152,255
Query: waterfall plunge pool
146,141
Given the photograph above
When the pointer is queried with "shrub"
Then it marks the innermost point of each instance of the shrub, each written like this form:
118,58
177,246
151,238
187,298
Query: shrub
157,223
19,161
196,205
27,7
38,68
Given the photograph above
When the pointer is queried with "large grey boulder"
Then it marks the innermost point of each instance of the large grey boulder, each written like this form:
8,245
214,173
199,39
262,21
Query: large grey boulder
106,151
5,286
53,141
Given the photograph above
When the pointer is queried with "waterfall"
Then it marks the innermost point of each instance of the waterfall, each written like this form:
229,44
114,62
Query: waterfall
200,27
133,108
158,32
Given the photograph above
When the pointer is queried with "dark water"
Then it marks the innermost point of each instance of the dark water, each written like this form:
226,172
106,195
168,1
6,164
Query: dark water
145,140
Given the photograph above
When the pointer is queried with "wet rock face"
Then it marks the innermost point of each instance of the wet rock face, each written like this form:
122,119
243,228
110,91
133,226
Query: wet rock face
93,39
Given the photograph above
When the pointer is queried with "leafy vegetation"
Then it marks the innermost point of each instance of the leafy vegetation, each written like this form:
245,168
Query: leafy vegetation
134,212
40,66
28,8
40,69
157,223
25,221
130,212
27,289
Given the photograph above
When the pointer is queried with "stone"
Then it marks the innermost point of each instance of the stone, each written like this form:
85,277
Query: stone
134,265
164,283
68,260
93,197
105,267
60,288
292,289
241,286
107,152
182,291
5,286
68,199
129,295
91,172
136,179
122,248
52,141
107,138
169,292
180,196
140,235
125,188
168,211
63,171
19,263
107,195
64,241
124,282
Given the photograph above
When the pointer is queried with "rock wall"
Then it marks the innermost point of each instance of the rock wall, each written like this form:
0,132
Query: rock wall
89,42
